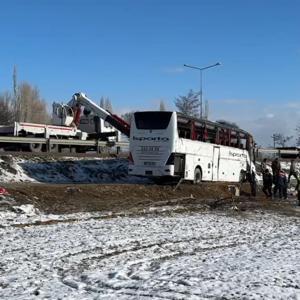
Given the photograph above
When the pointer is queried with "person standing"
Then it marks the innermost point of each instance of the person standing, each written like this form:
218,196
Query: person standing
282,185
267,183
293,173
298,193
253,184
263,166
276,167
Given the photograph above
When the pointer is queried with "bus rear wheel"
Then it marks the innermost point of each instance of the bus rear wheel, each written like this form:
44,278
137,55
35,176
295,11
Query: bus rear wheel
197,176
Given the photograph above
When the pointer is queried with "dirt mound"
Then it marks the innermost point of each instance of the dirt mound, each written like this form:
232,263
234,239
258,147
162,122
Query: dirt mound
61,199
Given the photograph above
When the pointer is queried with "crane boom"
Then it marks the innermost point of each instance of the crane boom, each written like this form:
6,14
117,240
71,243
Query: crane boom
112,119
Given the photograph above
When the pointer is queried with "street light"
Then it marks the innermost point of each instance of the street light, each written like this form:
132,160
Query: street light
201,69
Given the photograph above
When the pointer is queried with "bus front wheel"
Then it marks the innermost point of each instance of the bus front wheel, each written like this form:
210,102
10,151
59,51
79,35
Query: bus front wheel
197,176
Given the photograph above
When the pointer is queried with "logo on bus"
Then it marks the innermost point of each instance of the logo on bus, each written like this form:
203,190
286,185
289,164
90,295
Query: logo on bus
237,154
151,138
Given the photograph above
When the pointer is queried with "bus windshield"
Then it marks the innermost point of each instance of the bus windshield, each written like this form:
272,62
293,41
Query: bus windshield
152,119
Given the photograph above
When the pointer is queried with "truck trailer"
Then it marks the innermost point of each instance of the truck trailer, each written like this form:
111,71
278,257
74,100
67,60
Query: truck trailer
80,125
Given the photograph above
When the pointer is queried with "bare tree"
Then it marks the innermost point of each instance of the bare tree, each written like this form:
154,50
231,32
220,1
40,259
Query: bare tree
189,104
298,135
162,106
280,139
102,102
108,105
15,90
128,116
31,107
7,111
15,83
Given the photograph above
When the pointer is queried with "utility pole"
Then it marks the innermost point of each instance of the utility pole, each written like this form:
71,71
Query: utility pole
206,110
201,92
274,137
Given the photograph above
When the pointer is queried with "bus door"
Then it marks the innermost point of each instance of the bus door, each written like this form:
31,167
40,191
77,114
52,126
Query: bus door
215,166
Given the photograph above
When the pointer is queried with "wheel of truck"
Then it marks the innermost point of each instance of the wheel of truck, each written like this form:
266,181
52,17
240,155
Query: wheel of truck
53,147
197,176
73,150
103,150
35,147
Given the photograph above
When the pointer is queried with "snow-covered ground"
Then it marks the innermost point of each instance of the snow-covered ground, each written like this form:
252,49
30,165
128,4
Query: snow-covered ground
162,255
170,256
65,170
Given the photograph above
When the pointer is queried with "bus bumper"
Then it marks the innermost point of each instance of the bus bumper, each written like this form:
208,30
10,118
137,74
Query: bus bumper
151,171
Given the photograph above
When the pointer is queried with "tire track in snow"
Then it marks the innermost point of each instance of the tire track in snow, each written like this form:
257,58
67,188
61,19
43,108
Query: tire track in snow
84,265
133,268
152,257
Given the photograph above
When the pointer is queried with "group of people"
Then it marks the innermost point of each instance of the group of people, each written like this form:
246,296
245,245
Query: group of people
278,178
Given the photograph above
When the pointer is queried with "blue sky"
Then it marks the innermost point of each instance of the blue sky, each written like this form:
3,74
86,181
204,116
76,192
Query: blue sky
134,51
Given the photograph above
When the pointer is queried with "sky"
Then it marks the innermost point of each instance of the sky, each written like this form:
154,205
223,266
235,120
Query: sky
133,52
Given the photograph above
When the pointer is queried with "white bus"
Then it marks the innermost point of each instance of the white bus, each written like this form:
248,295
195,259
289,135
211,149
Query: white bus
172,144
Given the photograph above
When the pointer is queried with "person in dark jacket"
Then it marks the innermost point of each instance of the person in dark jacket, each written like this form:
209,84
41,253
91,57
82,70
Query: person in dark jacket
282,185
267,183
276,167
298,193
253,184
263,166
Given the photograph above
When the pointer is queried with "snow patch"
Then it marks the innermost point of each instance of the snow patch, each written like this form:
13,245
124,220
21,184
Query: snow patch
66,170
188,256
